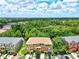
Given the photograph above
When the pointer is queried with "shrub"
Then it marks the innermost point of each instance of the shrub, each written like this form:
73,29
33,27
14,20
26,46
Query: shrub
77,54
30,57
68,52
22,57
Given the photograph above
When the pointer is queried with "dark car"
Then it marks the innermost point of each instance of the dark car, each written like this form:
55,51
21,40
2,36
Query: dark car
67,57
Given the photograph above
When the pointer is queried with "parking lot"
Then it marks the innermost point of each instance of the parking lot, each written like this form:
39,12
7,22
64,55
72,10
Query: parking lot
34,56
70,56
42,56
9,56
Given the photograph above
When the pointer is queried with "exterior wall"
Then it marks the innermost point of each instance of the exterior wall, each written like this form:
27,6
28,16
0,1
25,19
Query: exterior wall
15,48
78,46
2,48
41,48
72,46
10,48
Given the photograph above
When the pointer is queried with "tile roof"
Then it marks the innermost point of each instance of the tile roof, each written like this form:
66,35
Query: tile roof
10,40
71,38
39,40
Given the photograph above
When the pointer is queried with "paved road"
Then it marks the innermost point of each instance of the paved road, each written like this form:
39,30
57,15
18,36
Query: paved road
75,55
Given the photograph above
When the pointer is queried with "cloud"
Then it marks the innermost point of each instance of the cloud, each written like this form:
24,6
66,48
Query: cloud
11,7
42,6
26,2
71,10
57,5
70,1
2,2
29,7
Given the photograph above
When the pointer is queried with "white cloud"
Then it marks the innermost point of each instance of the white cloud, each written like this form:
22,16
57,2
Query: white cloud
2,2
42,6
14,1
53,5
25,10
22,9
27,2
11,7
69,10
70,1
57,5
69,6
29,7
72,4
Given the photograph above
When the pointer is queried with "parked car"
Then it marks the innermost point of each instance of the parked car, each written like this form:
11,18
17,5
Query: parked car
67,57
63,57
60,57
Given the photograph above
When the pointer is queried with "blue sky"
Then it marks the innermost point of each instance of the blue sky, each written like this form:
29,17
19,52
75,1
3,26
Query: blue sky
39,8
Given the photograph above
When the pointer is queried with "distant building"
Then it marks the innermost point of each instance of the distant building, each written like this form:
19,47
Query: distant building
2,30
72,43
10,45
43,44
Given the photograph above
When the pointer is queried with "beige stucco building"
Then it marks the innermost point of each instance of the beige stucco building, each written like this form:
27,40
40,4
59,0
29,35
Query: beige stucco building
43,44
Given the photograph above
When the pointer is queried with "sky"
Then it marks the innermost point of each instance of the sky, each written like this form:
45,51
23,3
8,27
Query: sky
39,8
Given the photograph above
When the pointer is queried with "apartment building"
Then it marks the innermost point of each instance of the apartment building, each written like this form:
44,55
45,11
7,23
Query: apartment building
10,45
43,44
72,43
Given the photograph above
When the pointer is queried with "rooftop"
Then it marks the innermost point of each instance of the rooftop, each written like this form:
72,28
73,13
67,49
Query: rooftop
71,38
39,40
8,40
2,30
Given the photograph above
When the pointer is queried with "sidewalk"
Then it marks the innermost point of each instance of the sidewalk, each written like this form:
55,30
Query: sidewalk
74,55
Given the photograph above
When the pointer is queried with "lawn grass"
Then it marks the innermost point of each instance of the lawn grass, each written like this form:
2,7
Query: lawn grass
53,57
23,49
22,57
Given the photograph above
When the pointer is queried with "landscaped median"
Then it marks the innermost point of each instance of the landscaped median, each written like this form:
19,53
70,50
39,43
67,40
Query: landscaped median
22,52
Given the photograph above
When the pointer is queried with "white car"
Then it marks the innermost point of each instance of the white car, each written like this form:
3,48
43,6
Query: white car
10,56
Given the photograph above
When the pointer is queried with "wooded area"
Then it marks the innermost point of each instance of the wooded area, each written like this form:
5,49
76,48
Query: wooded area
53,28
